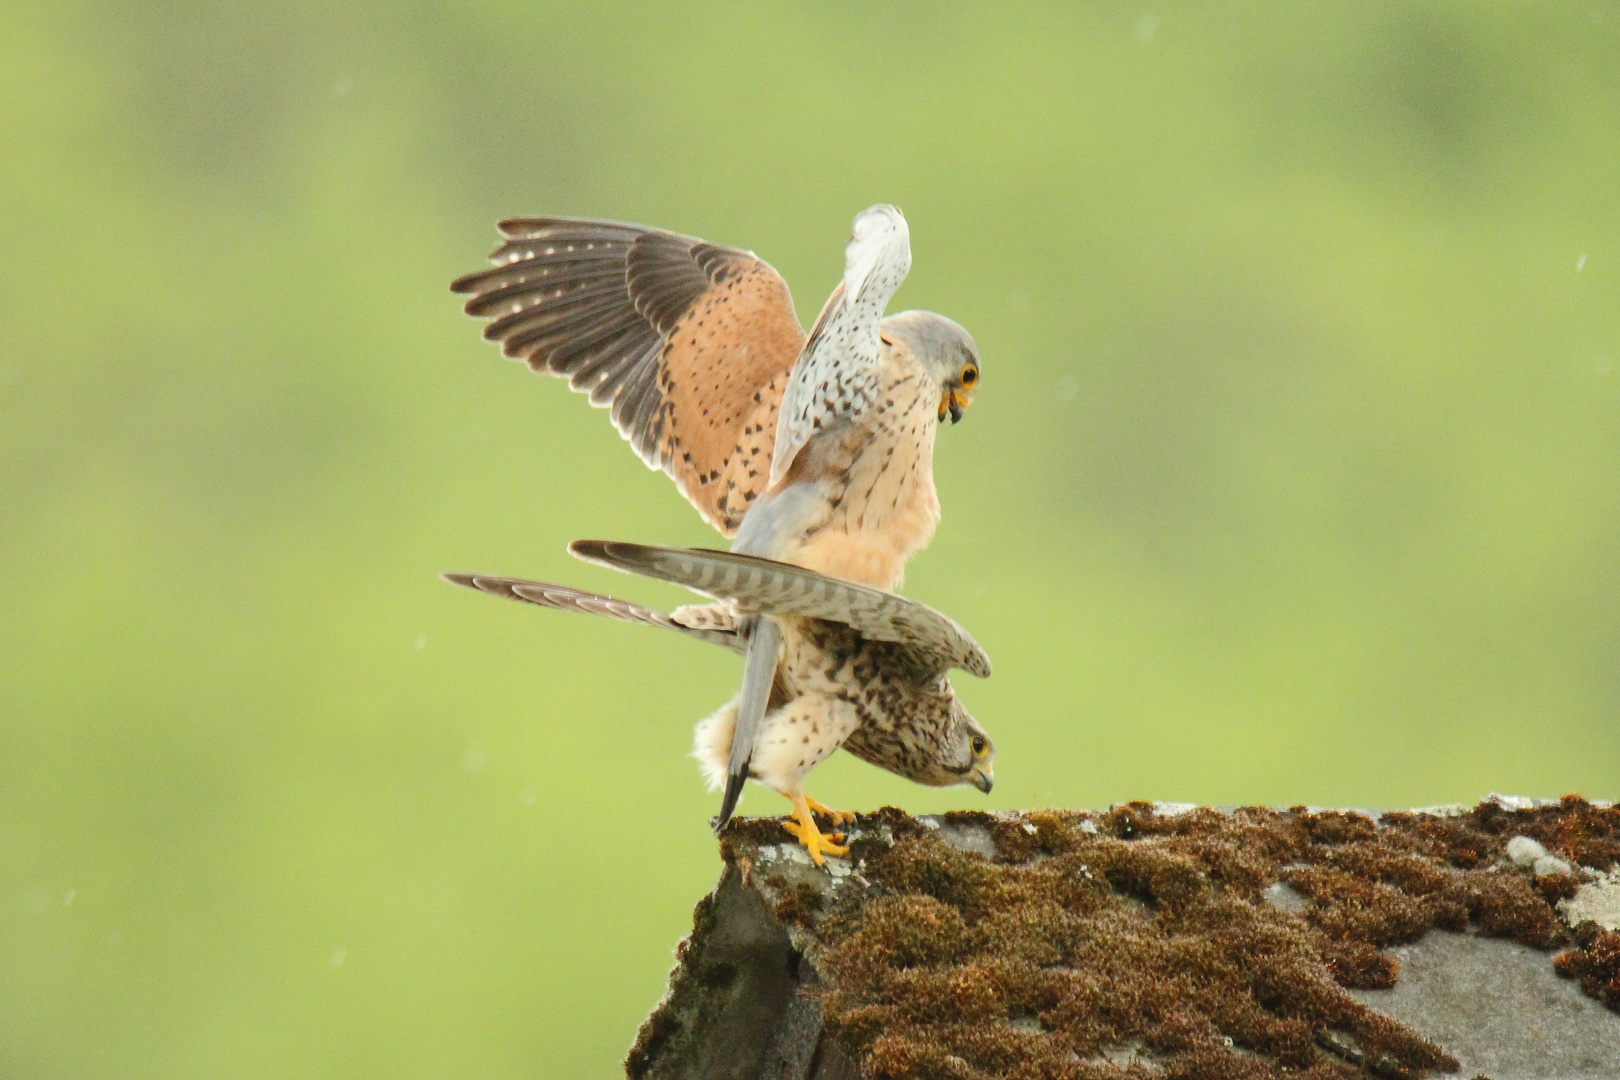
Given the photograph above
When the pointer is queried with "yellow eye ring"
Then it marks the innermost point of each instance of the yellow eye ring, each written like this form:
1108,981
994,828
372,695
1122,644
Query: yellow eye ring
970,375
978,746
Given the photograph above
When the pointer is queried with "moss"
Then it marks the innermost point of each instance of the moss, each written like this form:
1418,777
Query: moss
796,904
1125,821
1086,935
1595,961
1556,887
975,818
1335,827
1359,966
755,832
1029,836
657,1031
1574,829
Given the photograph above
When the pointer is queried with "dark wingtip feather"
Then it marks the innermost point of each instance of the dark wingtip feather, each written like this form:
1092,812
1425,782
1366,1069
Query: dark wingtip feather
588,550
618,554
527,226
469,580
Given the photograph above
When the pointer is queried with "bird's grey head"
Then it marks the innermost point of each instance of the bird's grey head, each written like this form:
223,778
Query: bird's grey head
945,350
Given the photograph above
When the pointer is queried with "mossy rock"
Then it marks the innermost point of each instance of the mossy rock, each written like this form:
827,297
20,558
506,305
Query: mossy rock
1152,941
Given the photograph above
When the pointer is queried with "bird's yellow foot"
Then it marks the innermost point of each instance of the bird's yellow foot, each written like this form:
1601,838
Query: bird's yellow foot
815,842
839,817
803,826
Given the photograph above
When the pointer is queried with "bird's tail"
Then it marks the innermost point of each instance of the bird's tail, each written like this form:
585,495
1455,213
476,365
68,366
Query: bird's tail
759,673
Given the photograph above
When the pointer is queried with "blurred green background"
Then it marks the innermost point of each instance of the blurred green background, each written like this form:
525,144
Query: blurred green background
1295,477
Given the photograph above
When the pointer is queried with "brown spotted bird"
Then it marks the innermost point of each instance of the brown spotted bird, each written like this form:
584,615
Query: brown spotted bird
813,449
859,668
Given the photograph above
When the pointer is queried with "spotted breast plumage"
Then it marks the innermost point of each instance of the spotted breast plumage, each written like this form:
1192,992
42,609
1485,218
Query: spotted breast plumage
811,449
859,668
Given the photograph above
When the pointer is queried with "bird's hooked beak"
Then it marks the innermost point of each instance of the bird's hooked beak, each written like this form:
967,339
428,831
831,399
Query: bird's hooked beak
953,401
983,778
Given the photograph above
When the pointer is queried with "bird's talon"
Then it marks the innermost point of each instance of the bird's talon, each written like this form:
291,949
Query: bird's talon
839,817
802,826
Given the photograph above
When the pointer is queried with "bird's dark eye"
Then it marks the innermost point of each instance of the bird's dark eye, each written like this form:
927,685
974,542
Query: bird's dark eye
978,744
970,375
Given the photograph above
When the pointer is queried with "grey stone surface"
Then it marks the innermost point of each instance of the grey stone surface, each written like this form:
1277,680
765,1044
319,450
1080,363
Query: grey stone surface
1501,1010
742,1004
967,838
722,1014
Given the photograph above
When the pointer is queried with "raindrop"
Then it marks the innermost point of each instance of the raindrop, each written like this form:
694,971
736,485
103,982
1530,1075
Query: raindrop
1580,262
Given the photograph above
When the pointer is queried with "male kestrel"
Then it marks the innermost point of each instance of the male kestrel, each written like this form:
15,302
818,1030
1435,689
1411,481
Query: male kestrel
860,668
815,449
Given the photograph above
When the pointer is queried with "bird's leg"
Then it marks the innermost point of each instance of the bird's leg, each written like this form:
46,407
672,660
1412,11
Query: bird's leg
803,825
839,817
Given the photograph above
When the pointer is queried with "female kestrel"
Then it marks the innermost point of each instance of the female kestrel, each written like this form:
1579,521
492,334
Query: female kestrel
860,668
815,449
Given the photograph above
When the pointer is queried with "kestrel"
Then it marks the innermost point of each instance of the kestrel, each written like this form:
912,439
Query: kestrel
860,668
815,449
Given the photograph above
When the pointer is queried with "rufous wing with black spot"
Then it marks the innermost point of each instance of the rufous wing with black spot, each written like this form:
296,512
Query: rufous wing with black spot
689,344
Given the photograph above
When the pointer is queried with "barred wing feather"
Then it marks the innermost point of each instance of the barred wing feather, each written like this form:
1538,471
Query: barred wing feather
767,587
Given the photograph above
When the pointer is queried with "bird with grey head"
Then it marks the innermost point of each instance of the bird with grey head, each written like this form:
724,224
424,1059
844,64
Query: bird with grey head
945,350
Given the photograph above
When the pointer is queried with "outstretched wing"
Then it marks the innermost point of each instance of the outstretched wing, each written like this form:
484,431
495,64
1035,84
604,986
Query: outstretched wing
690,344
836,378
766,587
562,598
